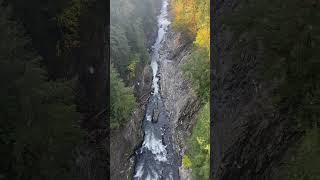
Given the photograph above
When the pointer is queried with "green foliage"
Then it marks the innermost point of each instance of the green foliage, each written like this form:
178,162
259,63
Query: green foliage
122,100
304,160
199,145
136,37
54,29
68,20
198,71
38,120
134,60
131,23
119,49
192,19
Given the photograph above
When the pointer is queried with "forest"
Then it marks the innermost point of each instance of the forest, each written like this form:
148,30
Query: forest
56,105
193,19
46,105
132,23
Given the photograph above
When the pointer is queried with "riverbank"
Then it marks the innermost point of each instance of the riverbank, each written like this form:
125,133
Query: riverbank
181,101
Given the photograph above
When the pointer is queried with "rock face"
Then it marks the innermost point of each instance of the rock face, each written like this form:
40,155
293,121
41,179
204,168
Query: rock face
123,144
249,136
125,140
156,113
181,102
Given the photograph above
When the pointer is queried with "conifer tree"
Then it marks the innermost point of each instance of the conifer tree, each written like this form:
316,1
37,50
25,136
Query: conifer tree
38,119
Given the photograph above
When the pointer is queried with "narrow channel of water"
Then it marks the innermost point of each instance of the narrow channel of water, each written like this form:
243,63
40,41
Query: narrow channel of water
156,159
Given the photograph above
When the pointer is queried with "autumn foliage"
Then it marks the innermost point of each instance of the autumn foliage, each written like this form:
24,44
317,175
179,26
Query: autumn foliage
193,18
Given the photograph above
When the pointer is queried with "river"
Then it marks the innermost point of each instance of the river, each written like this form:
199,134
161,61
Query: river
156,159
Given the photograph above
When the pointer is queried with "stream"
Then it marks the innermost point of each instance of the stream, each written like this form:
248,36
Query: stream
156,159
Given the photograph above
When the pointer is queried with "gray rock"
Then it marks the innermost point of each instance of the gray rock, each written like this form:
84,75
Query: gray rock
124,141
246,128
180,101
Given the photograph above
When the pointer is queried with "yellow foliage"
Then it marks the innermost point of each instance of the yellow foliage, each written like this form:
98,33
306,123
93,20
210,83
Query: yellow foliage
186,162
207,147
200,140
133,65
194,17
203,37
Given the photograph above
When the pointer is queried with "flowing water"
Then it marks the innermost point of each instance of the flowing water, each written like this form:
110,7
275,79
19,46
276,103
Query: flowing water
156,159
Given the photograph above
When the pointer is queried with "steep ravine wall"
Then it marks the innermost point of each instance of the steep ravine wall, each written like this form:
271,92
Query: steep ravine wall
181,102
249,136
125,140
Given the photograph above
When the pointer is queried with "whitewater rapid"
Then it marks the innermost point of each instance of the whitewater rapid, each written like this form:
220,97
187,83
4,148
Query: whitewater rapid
156,159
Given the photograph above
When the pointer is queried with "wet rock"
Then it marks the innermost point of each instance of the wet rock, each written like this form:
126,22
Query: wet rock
185,174
156,113
124,141
158,76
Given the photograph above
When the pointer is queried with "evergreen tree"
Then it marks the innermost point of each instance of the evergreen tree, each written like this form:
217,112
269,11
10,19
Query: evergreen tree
122,100
38,120
119,49
131,23
197,70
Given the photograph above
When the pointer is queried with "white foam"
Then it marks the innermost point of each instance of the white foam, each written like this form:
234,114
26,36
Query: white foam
148,177
161,158
163,23
170,177
153,176
139,172
155,86
150,140
155,146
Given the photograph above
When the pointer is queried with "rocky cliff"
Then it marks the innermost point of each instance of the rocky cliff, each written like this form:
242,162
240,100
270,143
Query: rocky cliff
249,136
181,102
125,140
85,64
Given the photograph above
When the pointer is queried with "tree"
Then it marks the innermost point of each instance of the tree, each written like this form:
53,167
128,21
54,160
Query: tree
199,145
119,50
193,18
197,70
38,120
132,22
122,100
